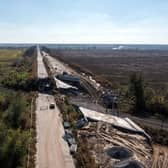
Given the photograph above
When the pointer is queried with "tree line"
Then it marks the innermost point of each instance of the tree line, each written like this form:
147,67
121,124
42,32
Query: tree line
146,101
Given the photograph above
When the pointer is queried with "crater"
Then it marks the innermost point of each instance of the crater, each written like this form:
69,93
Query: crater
119,152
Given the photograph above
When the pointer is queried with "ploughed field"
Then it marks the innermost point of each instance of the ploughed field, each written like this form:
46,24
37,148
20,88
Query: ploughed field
117,65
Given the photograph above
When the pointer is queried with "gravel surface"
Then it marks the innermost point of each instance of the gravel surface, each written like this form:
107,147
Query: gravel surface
52,149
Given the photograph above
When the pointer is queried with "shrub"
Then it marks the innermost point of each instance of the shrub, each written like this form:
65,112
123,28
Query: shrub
15,116
13,147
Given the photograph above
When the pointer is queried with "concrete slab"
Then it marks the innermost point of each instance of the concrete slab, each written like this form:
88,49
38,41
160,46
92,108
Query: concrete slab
124,123
63,85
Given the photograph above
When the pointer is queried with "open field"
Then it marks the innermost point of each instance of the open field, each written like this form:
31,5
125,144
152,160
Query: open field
116,66
8,55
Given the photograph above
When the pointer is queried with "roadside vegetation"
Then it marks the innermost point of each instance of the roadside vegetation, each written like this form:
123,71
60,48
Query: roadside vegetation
16,129
145,101
18,73
9,55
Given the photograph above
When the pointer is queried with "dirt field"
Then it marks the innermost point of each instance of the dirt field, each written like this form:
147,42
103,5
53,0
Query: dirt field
116,66
52,149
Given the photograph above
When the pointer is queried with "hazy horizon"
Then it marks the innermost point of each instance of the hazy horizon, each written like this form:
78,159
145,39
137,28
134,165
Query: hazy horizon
84,21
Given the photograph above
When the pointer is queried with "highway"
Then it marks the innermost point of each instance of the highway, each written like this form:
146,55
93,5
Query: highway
52,149
58,67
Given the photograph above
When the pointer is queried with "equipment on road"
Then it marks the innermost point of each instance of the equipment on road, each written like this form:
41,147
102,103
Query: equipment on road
52,106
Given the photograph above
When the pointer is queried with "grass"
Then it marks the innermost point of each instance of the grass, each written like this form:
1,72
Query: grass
8,55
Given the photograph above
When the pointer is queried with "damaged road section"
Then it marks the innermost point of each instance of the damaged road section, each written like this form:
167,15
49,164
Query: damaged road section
121,123
110,146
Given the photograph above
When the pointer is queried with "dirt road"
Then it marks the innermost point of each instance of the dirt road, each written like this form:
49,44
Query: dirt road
52,149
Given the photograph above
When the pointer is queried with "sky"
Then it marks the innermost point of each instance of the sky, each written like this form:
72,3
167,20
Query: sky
84,21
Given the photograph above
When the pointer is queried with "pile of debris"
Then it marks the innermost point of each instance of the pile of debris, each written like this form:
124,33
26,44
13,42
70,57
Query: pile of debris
111,147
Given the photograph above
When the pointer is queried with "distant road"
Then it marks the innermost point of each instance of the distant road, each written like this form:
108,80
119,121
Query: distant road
41,70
